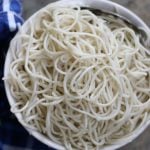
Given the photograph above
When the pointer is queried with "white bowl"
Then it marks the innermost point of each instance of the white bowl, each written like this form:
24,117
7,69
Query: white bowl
97,4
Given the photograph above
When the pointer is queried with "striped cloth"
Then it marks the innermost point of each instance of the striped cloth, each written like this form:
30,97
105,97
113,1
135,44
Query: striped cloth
10,19
12,135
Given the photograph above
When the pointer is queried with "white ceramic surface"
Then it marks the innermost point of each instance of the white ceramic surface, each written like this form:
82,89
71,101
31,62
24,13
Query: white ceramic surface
98,4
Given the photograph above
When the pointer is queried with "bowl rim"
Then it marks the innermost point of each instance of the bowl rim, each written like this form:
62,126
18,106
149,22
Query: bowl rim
98,4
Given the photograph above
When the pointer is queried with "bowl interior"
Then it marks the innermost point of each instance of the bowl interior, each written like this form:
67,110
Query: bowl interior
97,4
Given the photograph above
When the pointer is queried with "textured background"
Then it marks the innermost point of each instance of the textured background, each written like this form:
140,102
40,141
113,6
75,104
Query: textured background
142,9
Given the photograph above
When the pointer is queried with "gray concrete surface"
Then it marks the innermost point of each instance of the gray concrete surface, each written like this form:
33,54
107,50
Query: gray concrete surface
142,9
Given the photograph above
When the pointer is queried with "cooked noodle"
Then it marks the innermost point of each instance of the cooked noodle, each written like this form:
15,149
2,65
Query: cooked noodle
80,79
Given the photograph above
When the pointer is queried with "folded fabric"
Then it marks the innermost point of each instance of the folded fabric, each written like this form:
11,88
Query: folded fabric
10,18
11,5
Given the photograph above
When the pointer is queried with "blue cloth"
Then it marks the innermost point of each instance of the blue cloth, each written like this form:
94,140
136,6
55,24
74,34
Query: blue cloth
12,135
10,19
